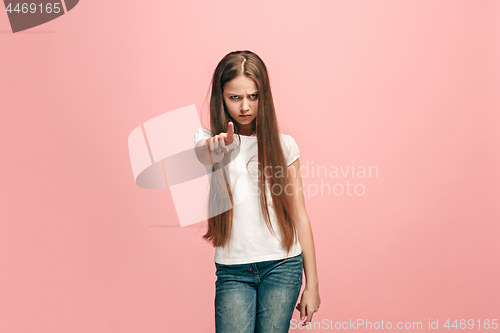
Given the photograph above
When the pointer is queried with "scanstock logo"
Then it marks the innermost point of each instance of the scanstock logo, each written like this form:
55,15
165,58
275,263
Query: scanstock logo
26,15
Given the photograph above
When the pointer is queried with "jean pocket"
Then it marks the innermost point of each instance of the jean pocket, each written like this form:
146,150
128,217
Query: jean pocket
297,258
289,271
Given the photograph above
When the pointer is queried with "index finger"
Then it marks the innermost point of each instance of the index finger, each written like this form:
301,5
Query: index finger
230,132
309,315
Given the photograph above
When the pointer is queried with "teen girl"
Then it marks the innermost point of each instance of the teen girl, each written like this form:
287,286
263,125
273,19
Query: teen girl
263,243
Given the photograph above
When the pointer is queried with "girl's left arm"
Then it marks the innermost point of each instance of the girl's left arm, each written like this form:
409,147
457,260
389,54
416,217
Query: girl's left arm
310,300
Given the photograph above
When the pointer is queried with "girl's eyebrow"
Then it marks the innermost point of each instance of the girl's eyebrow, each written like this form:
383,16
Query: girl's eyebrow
231,93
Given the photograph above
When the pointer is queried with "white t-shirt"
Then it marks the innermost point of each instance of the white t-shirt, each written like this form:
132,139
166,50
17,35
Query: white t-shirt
251,241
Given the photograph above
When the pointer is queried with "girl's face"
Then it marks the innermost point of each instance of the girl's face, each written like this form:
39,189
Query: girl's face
241,98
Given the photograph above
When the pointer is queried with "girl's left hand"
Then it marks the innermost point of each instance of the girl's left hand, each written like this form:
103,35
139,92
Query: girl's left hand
309,304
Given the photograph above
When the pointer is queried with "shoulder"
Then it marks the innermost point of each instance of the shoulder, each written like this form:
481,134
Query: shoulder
202,133
290,148
287,140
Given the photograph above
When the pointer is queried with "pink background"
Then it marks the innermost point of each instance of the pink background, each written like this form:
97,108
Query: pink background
411,87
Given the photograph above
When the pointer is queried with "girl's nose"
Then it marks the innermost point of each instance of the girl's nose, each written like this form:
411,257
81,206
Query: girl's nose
245,105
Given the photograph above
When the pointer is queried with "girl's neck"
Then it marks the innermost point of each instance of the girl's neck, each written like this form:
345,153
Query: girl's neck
246,132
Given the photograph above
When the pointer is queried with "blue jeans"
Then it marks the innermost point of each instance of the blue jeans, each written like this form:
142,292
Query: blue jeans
257,297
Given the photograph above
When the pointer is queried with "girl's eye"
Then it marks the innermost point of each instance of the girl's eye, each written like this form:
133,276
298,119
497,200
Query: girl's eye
252,95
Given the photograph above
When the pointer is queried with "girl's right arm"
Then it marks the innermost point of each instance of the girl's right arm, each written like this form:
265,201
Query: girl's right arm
215,146
203,153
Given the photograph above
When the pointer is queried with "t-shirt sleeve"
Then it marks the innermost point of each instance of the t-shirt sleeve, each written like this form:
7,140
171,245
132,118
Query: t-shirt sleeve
291,149
201,133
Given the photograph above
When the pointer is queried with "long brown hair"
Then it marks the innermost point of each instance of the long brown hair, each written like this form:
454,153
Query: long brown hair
270,152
